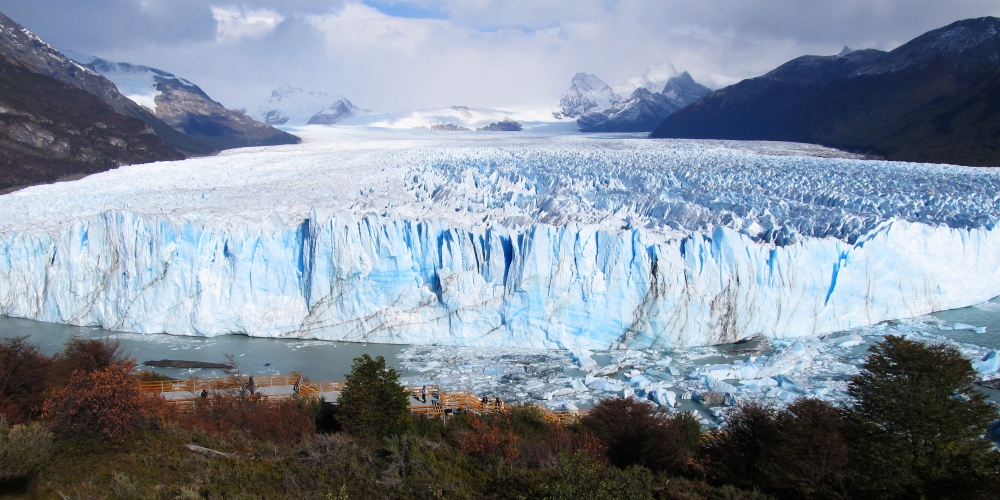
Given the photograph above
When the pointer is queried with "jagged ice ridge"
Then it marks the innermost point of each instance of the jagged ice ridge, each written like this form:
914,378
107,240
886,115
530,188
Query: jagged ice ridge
523,240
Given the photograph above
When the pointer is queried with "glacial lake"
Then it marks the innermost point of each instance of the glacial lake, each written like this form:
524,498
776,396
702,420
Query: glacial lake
471,367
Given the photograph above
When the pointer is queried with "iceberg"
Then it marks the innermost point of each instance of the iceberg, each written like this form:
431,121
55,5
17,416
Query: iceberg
538,241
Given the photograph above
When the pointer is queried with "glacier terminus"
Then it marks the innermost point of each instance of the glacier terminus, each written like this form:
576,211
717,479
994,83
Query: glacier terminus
493,239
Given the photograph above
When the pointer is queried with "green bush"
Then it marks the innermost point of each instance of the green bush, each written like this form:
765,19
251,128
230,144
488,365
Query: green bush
578,477
373,404
917,424
23,449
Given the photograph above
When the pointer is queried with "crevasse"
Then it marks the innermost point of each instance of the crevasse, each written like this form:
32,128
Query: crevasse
379,279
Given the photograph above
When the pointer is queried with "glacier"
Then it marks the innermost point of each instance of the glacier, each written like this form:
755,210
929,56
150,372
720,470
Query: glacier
527,240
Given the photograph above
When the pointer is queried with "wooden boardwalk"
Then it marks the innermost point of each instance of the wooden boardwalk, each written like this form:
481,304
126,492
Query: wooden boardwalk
274,388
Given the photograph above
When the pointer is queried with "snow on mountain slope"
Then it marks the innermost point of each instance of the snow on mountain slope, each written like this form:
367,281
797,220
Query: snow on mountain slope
525,240
293,106
586,93
138,83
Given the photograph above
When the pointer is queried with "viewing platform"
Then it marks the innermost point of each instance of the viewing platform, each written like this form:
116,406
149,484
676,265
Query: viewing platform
276,388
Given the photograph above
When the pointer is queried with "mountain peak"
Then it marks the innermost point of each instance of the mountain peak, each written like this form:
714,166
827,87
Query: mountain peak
296,106
586,82
846,50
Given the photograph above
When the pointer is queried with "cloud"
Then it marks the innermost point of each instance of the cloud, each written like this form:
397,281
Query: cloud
404,54
233,23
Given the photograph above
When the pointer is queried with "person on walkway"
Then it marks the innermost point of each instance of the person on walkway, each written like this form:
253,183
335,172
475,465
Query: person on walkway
204,393
251,386
423,393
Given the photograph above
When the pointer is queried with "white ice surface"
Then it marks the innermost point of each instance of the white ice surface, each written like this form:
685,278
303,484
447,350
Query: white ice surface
814,367
503,239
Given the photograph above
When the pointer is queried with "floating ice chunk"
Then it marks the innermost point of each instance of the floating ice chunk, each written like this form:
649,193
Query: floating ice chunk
430,366
639,381
533,384
787,384
729,400
664,362
493,370
608,370
578,385
605,384
564,391
687,395
758,385
717,385
962,326
989,364
820,391
709,398
664,397
850,341
583,358
980,329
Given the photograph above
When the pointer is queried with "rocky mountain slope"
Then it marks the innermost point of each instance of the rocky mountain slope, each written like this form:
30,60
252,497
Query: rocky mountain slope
644,109
932,99
185,107
51,130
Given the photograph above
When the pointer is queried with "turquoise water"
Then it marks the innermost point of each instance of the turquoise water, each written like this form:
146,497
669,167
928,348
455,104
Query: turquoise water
986,314
317,359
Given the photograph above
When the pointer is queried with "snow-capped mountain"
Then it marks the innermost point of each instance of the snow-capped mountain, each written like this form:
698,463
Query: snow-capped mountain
184,106
653,79
931,99
294,106
645,108
59,119
586,93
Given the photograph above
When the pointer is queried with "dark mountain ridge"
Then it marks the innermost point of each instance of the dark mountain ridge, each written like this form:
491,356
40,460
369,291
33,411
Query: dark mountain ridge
51,130
869,101
210,131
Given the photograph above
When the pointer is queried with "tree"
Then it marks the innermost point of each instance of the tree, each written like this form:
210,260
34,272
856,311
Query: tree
22,379
635,433
106,403
737,453
917,425
373,404
809,458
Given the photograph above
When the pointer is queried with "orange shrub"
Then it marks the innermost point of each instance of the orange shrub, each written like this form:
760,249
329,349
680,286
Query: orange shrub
487,441
106,403
278,421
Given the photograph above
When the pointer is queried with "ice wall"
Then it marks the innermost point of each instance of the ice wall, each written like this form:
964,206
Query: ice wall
378,279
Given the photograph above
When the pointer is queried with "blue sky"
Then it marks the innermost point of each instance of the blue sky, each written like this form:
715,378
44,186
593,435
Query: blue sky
391,55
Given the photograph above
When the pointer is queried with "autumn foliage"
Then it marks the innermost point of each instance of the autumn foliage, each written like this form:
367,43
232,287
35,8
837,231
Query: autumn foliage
487,441
106,403
273,421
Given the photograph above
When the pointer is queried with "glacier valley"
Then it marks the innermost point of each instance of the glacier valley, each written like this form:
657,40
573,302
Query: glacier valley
508,240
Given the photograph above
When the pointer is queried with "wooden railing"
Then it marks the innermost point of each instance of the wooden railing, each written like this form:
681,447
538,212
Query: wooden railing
441,402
